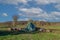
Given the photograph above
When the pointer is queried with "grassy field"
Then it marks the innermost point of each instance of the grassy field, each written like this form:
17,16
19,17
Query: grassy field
51,27
27,36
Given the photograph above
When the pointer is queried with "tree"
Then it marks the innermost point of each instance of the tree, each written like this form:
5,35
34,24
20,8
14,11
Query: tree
30,20
15,19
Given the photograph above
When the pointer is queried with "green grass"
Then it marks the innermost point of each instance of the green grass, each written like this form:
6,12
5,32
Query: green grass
37,36
53,27
50,27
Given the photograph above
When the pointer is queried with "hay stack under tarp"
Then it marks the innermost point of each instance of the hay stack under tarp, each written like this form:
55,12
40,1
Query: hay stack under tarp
30,27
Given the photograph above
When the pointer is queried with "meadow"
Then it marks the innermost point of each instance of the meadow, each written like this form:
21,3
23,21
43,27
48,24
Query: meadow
30,36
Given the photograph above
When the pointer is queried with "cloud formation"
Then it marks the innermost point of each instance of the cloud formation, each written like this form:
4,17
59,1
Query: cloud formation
4,14
32,12
15,2
57,6
23,19
47,1
39,13
25,1
35,12
38,2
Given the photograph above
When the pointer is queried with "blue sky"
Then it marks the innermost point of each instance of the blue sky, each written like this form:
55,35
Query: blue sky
41,10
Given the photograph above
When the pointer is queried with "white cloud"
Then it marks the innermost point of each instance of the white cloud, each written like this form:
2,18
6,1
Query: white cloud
23,19
56,13
57,18
43,20
53,15
4,14
43,2
57,6
33,12
25,1
39,13
20,14
47,1
36,13
13,1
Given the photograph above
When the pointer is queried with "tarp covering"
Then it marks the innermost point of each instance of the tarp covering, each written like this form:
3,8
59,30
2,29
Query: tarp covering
30,27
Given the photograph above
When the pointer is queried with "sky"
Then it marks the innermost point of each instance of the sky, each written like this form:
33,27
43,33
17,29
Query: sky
40,10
